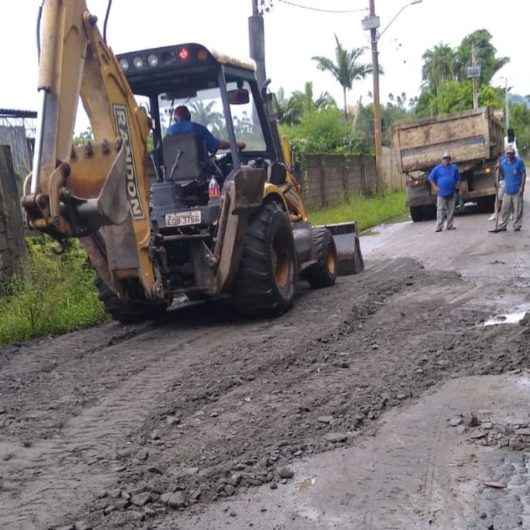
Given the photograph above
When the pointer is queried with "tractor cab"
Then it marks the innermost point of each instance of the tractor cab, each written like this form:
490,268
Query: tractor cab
222,98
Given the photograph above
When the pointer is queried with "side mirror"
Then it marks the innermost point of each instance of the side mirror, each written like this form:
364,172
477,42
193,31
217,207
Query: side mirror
271,105
239,96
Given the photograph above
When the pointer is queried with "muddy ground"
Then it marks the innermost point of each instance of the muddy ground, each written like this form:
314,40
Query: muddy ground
119,427
147,426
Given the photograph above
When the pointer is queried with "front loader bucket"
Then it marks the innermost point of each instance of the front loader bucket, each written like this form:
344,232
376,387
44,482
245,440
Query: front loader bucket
347,243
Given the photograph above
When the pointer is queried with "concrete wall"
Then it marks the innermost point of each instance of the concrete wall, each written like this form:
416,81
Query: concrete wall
329,179
12,246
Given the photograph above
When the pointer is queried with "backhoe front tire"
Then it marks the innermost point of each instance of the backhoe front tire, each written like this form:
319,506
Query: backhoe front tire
324,272
128,311
265,282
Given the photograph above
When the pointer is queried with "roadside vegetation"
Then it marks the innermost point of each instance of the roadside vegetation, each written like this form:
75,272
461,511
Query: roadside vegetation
366,211
54,295
307,118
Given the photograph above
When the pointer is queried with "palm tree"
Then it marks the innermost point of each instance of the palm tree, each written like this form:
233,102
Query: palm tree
346,69
206,115
439,66
290,110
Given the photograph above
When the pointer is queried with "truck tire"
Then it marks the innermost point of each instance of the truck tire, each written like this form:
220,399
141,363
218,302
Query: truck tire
429,212
416,213
265,282
324,272
128,311
486,204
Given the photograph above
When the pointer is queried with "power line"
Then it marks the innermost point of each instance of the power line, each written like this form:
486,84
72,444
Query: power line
321,10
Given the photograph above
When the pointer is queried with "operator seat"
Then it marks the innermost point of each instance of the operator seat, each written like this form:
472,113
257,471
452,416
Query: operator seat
185,157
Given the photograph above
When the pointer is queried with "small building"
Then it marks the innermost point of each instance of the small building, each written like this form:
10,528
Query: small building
17,130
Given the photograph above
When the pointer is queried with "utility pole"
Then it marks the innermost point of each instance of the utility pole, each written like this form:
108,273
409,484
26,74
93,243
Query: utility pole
506,105
475,79
256,31
372,23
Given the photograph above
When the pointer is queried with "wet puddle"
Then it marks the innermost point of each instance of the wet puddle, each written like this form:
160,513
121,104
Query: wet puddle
509,318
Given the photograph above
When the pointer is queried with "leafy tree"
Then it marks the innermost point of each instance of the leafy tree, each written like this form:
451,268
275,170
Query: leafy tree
446,87
346,68
399,108
486,56
520,122
455,96
439,66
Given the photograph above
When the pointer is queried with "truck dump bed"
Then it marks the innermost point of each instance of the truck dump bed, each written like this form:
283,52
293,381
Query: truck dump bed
469,137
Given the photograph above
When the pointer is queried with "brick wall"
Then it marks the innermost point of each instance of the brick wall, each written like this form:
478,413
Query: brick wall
328,179
12,247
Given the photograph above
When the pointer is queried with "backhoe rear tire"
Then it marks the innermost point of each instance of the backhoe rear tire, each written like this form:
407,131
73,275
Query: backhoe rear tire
324,272
128,311
265,282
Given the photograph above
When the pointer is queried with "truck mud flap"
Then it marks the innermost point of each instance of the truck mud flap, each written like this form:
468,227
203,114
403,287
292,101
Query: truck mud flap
349,255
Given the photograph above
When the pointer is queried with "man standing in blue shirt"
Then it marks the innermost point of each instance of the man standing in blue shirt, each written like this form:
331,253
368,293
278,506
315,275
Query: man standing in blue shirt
513,170
184,125
444,179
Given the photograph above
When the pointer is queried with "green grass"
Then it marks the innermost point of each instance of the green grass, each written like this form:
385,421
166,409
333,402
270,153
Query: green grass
366,211
54,295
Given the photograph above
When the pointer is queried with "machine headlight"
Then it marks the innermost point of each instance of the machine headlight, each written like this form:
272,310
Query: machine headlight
138,62
124,64
152,60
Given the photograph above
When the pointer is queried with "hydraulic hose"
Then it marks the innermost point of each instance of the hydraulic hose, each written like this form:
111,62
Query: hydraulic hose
107,14
39,18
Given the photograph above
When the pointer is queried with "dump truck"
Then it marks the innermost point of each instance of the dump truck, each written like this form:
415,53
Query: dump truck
475,140
163,215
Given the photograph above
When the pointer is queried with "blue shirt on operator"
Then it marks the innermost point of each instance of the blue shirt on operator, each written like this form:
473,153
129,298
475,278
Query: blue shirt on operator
513,171
186,127
445,178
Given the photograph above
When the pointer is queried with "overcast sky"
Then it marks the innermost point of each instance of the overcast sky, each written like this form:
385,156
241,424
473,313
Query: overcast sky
293,37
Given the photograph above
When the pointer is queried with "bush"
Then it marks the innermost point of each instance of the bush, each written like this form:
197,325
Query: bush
323,132
56,294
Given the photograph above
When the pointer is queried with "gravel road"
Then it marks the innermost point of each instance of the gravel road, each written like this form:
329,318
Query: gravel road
207,421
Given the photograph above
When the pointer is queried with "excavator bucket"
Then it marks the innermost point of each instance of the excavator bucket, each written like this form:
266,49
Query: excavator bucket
84,194
96,194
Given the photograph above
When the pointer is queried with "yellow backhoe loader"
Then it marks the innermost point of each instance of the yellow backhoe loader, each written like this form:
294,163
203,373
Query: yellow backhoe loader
159,214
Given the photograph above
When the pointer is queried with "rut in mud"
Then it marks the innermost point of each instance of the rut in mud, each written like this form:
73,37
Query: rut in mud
204,405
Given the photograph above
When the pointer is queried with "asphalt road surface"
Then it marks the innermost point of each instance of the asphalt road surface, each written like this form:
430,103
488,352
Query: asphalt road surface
385,402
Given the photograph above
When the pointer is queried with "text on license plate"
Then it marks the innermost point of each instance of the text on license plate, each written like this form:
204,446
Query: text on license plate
184,218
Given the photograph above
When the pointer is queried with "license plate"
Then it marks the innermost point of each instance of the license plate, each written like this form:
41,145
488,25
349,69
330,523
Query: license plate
184,218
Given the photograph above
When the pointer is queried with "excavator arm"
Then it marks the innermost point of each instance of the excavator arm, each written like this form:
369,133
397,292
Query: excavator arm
98,192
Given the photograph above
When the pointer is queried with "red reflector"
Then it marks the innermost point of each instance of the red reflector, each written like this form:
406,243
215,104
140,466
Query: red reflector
184,54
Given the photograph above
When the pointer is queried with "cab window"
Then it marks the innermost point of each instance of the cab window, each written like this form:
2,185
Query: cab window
247,125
